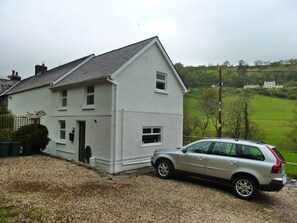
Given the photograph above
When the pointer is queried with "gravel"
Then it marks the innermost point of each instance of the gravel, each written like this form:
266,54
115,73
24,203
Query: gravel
45,189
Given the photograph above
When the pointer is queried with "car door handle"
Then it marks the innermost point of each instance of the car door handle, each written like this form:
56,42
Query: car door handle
201,158
232,162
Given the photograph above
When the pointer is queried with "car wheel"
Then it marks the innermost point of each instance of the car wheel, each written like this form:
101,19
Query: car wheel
164,169
244,187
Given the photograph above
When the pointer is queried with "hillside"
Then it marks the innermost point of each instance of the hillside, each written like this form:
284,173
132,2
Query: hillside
270,113
283,72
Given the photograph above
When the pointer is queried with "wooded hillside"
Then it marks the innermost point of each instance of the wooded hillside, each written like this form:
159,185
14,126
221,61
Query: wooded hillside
282,72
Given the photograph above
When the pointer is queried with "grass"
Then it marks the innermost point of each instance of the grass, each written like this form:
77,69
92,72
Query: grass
272,114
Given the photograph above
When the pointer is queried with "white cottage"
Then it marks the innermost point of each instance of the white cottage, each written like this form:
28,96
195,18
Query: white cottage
124,104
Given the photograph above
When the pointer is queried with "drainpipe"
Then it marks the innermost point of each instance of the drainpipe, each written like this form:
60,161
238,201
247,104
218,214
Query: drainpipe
114,121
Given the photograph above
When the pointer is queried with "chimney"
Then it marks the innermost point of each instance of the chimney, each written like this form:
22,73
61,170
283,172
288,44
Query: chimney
39,69
14,76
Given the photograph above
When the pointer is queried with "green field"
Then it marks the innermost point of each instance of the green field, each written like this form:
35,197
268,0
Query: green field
271,114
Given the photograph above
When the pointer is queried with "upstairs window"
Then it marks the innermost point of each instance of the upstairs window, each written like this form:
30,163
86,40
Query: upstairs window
90,96
64,98
161,81
62,130
151,135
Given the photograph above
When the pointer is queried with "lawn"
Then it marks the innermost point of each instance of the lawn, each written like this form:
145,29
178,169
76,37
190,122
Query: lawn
272,114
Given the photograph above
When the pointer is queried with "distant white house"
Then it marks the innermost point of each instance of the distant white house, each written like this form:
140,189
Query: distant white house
251,86
124,104
271,84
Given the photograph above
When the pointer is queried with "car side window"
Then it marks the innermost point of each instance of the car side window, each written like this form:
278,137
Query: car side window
224,149
249,152
200,147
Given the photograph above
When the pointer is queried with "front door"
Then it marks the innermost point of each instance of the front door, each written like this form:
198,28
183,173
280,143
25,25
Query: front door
81,140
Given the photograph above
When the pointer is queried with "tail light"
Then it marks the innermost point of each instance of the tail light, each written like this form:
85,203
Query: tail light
276,167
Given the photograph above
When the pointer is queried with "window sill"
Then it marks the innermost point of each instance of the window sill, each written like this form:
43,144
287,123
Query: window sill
161,91
61,142
88,107
151,144
62,109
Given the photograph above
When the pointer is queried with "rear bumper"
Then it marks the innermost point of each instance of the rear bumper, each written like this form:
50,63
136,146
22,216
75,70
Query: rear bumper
275,185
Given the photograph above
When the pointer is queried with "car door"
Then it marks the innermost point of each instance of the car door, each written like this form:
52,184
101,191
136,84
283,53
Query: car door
222,160
194,157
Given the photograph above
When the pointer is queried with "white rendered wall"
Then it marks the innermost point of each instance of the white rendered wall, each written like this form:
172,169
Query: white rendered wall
31,101
97,119
140,105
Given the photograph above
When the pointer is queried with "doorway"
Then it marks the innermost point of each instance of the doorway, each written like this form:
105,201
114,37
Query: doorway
81,140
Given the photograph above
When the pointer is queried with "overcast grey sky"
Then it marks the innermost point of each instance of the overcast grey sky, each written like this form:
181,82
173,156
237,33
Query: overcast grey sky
193,32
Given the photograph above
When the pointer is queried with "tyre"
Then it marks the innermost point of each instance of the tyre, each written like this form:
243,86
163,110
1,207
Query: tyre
244,187
164,169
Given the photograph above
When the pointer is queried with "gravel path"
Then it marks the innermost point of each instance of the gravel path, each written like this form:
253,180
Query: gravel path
45,189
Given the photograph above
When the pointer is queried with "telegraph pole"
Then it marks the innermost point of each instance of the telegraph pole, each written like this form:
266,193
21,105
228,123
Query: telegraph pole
219,133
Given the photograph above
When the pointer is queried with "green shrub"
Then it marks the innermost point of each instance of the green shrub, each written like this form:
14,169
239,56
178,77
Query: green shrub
35,135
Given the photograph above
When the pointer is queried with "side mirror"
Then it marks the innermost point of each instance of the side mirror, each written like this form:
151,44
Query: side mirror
184,150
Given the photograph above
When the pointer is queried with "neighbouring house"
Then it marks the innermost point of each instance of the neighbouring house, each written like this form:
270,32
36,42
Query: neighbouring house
251,86
5,85
123,104
271,84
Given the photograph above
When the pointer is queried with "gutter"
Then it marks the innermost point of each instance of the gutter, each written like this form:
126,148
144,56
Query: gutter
114,140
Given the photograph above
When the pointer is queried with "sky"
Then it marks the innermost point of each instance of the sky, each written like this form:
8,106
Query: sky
193,32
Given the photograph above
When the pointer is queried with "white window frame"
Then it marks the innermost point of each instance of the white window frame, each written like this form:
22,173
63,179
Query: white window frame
62,130
64,99
90,94
162,81
151,133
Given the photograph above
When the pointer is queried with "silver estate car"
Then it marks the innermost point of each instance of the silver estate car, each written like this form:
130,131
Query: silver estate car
248,166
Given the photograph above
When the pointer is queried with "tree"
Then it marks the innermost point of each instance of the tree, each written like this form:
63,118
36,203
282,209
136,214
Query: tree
191,129
259,63
227,63
242,71
238,123
209,107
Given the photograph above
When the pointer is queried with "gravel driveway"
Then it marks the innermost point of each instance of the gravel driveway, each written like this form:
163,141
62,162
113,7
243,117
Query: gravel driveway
45,189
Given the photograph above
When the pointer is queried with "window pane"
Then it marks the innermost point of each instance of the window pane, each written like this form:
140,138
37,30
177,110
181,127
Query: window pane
90,99
147,130
151,138
90,89
156,130
64,93
62,125
161,77
64,102
160,85
62,134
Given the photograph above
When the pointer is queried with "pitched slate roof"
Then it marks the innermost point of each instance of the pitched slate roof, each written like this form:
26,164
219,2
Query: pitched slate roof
45,78
91,68
105,64
5,85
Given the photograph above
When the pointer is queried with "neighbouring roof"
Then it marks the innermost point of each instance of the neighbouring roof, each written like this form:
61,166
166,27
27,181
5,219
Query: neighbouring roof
6,84
90,68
